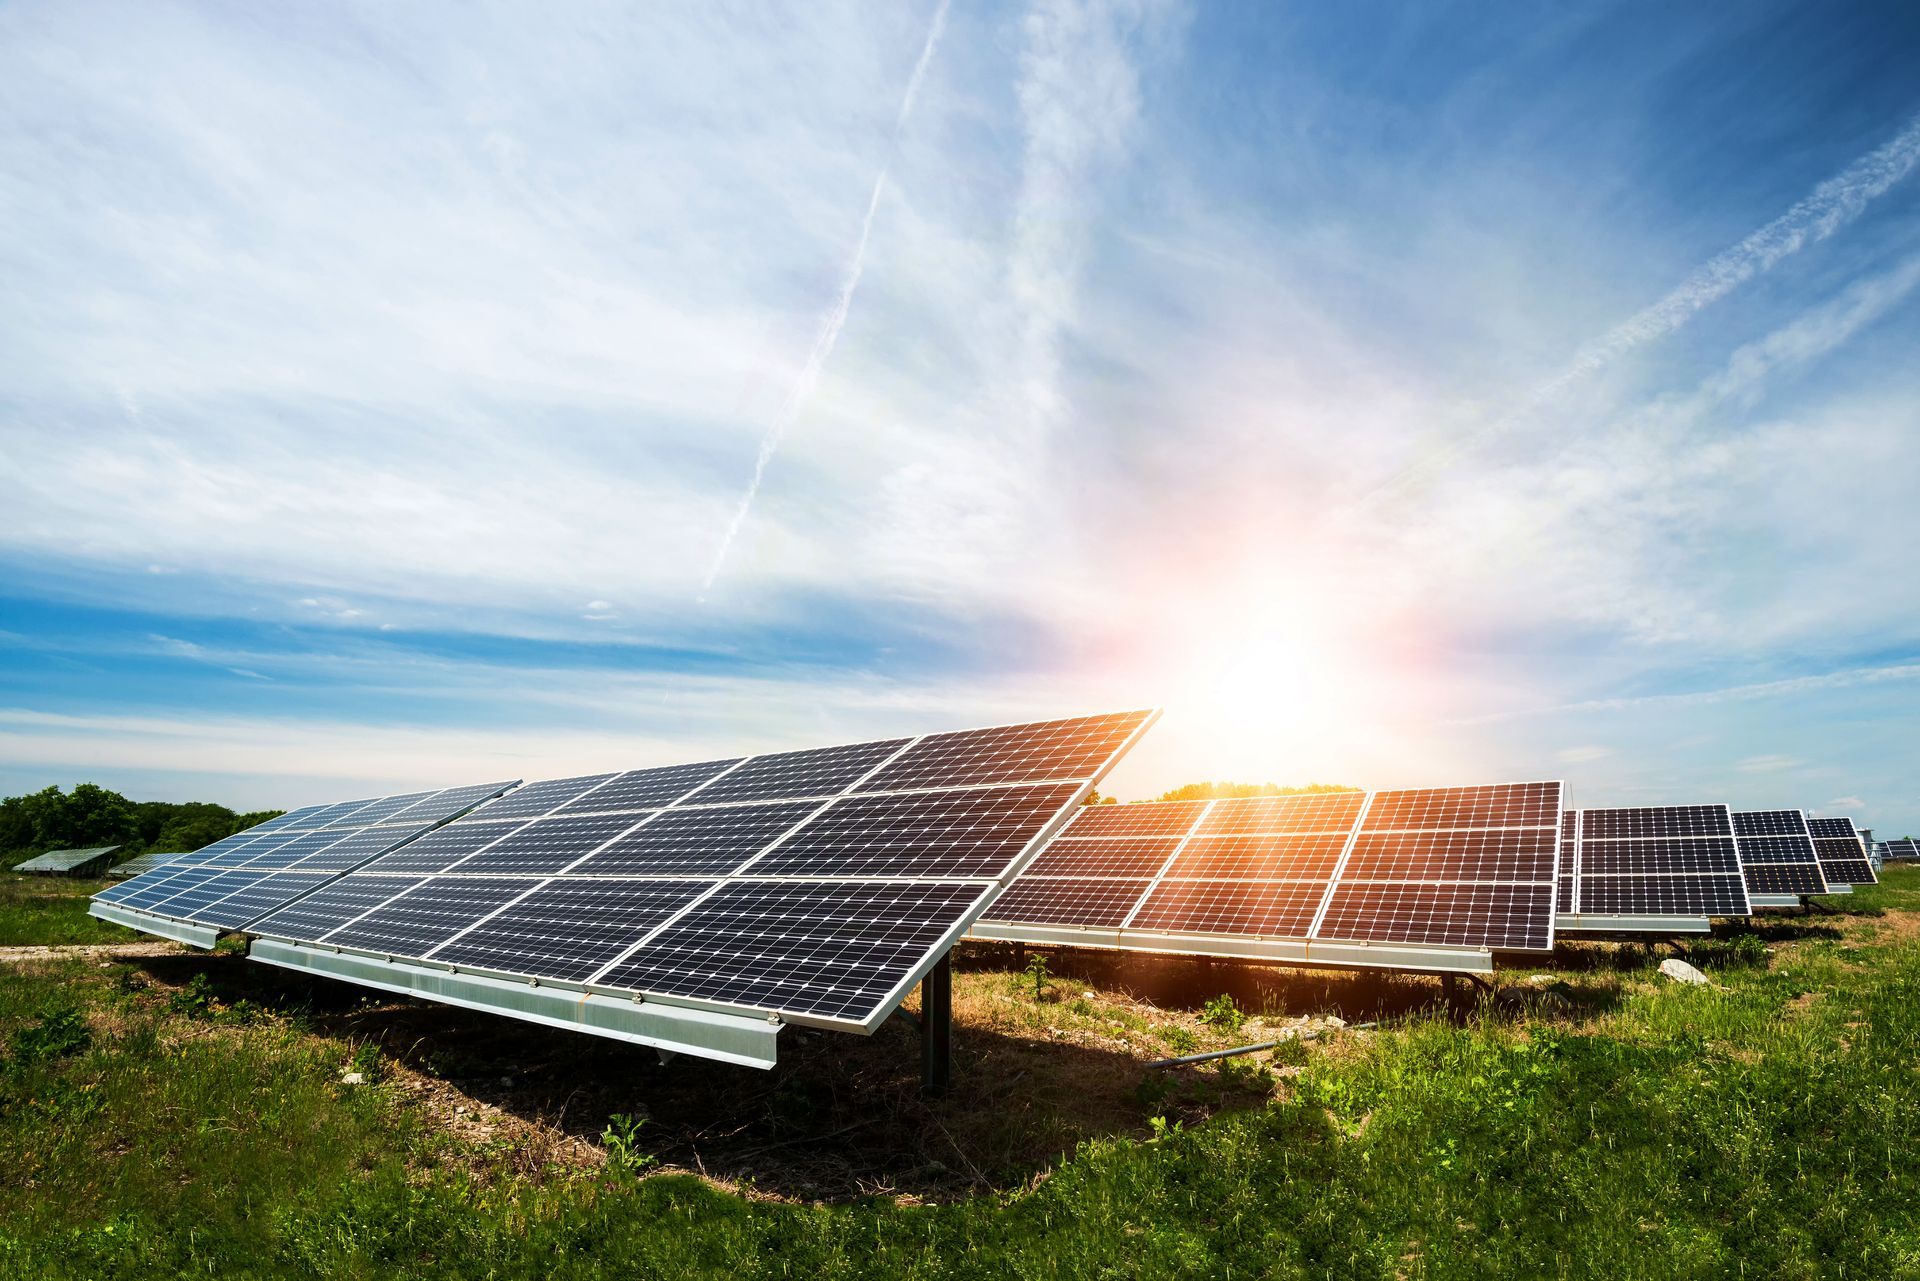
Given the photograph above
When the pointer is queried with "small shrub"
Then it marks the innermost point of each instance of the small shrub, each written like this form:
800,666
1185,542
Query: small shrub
1245,1074
195,1000
58,1032
621,1139
367,1062
1221,1012
1039,973
1291,1052
1178,1039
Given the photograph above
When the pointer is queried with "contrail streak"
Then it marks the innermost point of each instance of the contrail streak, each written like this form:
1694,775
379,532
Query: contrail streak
1823,211
835,318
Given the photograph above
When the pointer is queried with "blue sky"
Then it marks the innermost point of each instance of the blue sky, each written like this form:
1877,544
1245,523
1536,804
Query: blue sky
1397,394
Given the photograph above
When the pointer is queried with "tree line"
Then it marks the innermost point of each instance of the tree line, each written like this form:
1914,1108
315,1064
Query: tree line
89,815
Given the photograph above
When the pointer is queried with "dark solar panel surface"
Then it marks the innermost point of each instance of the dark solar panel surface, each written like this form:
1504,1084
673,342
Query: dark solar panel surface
328,908
820,772
697,842
1657,821
1068,901
583,895
317,843
424,917
830,949
970,832
1261,908
1657,857
1720,895
1258,858
1785,878
1075,748
1769,823
1497,805
1844,861
1489,854
536,799
1517,917
569,930
642,789
1104,856
545,845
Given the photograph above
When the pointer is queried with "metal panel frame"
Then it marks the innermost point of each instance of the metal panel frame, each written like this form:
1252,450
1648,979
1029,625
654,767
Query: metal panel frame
1628,923
1435,958
200,936
740,1039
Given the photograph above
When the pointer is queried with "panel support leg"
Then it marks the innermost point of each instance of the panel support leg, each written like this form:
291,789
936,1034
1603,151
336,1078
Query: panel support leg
936,1028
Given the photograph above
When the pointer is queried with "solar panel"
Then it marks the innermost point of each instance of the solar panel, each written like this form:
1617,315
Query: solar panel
1842,853
143,863
1662,869
835,950
257,871
696,842
1903,849
1777,857
1480,862
643,789
569,930
69,862
1344,876
814,886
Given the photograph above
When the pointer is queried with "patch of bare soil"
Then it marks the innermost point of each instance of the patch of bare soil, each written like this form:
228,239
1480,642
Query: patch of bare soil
89,951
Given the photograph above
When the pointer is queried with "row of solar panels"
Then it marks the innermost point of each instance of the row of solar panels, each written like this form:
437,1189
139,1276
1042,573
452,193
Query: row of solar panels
679,906
1425,879
69,862
701,906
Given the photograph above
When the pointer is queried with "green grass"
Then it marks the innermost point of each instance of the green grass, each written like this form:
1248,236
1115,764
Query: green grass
53,909
1764,1127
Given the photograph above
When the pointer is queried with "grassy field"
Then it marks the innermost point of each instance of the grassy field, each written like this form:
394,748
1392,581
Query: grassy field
51,910
169,1113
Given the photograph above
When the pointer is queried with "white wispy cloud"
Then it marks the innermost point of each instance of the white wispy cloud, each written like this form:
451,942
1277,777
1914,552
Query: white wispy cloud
835,318
1819,214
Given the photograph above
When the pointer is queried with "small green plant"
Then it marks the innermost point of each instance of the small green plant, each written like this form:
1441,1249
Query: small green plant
1039,974
1291,1052
1221,1012
1245,1074
367,1062
621,1139
1179,1039
58,1032
1162,1129
195,1000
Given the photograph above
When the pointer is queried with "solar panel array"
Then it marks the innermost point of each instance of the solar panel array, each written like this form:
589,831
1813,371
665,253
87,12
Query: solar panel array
1777,855
1842,854
816,884
1469,867
143,863
1656,861
232,882
1903,849
67,860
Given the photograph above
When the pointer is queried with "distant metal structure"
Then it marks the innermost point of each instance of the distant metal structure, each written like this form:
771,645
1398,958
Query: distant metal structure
87,862
144,863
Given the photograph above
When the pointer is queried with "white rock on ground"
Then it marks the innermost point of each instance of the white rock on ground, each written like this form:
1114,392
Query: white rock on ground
1680,972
